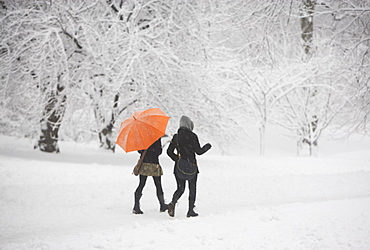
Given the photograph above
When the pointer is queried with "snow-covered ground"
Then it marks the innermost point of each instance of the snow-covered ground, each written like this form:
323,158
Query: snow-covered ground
83,197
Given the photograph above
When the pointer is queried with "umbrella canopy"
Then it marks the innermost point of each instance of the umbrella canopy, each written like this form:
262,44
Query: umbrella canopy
142,129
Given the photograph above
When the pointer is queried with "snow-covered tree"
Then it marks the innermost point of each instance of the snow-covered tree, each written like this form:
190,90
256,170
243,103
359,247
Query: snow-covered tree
115,56
80,67
35,71
350,36
262,66
334,80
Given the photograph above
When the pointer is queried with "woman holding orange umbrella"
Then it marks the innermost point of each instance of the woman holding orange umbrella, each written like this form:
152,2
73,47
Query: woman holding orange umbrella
142,132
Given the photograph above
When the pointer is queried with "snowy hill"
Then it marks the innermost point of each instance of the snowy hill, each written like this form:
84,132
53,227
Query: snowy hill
83,197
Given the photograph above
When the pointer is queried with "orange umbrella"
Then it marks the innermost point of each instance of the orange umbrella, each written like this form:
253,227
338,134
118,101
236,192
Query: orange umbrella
142,129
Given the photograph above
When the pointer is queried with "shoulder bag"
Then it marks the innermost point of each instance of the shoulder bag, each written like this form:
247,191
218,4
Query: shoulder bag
185,169
139,164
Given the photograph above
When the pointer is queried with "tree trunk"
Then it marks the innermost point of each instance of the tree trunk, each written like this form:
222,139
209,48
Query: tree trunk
51,121
299,143
106,136
106,133
262,139
306,21
307,12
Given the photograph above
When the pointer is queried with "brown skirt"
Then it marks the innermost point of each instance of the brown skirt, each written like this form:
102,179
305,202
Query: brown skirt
151,169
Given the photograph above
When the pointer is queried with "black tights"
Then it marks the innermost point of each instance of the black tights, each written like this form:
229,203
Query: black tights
157,182
181,188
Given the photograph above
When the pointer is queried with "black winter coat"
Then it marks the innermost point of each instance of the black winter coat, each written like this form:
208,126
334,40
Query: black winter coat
187,144
154,151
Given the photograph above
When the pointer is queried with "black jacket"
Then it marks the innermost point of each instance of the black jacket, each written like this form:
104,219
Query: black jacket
187,144
154,151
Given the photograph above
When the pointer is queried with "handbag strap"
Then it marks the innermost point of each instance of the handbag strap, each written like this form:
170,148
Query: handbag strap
178,147
142,156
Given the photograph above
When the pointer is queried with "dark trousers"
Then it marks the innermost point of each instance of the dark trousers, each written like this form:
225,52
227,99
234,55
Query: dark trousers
157,182
181,188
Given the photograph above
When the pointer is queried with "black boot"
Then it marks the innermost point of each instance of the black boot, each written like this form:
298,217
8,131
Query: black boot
191,212
136,209
171,209
163,206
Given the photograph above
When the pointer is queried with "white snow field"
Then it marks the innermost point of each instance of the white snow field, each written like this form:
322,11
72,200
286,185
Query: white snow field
83,197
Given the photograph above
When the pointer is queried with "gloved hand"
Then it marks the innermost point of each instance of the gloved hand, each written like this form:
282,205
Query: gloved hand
208,146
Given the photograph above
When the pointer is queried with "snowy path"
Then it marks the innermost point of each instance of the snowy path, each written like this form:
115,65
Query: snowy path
71,202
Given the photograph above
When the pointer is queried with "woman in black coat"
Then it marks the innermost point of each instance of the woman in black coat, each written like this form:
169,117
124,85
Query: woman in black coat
186,142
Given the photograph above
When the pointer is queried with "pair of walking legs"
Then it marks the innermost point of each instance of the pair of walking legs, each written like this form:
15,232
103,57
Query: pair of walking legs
178,193
139,193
